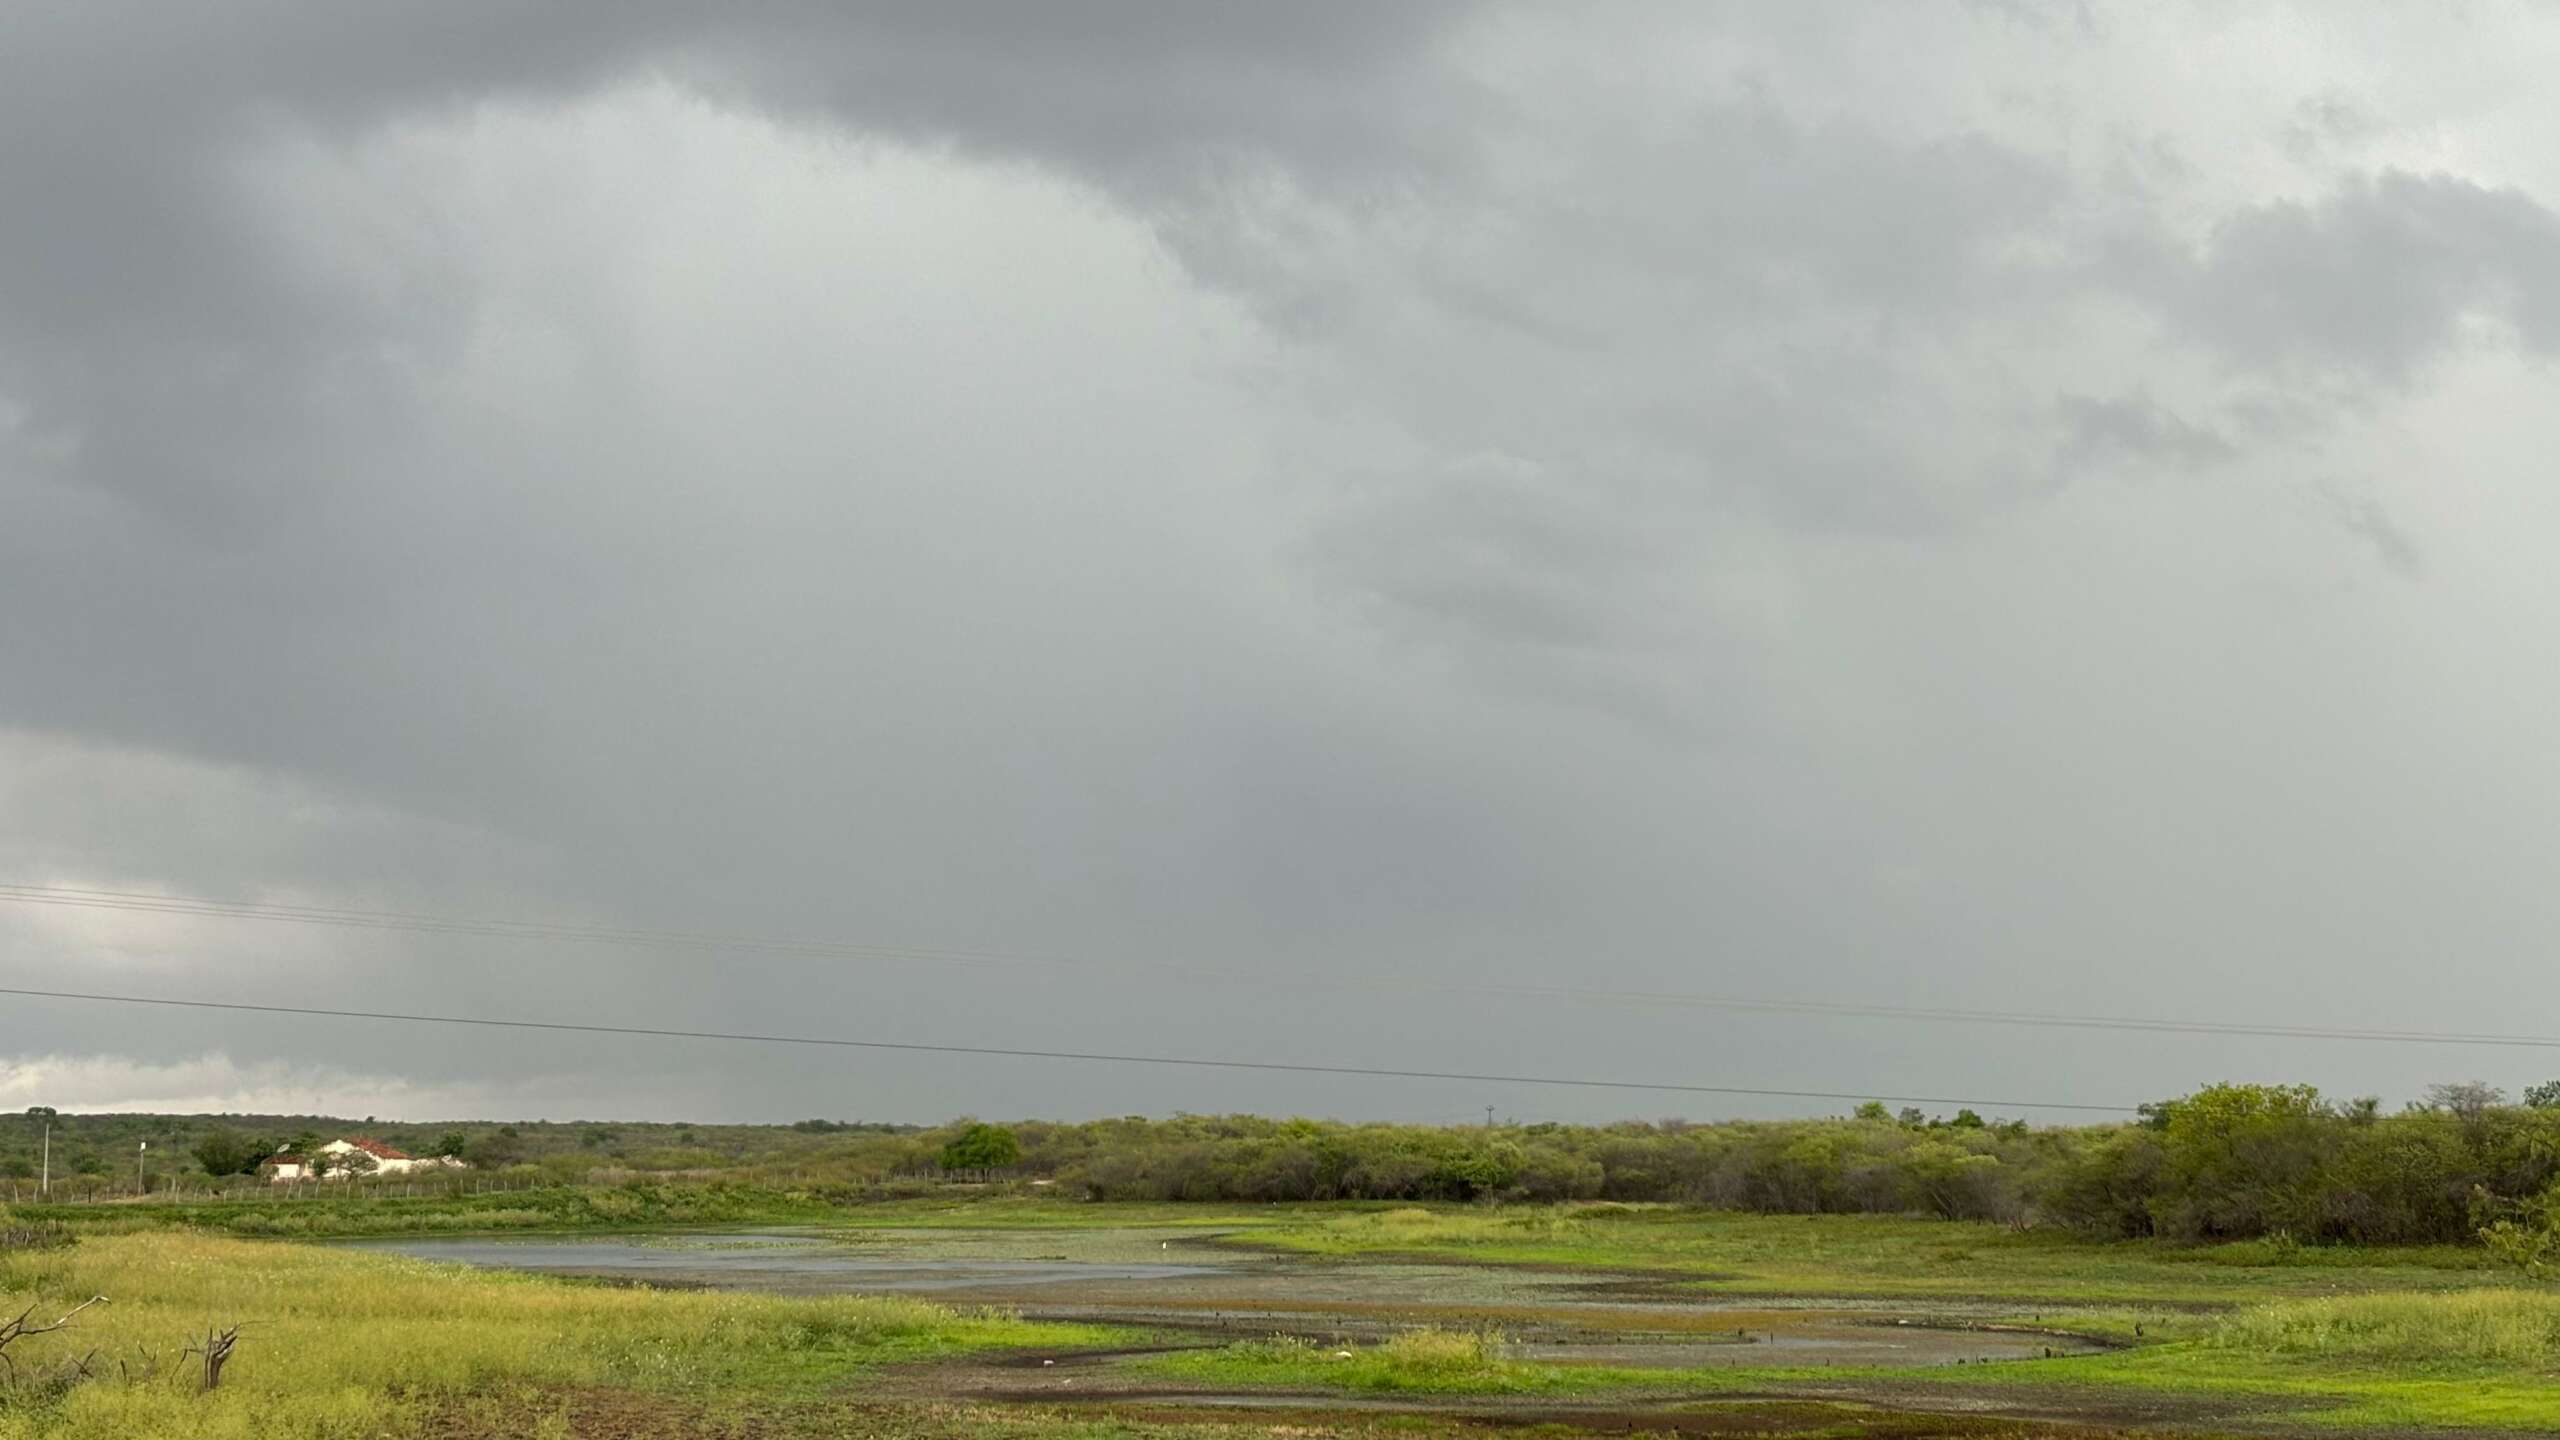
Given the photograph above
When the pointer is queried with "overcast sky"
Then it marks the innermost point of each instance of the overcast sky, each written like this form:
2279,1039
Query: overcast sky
1242,514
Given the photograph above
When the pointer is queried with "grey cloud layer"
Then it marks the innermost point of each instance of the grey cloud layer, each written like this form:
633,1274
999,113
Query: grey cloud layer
1710,498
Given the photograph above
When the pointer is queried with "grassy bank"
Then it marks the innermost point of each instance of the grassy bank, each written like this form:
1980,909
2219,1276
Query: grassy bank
2484,1360
337,1344
2507,1327
1870,1255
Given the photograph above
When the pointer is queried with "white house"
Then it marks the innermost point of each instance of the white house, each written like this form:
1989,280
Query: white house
337,1157
386,1161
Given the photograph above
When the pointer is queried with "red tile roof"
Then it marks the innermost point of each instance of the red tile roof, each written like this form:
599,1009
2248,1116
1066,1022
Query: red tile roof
378,1150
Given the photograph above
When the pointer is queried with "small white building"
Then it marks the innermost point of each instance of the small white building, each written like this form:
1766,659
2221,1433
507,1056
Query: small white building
386,1160
336,1161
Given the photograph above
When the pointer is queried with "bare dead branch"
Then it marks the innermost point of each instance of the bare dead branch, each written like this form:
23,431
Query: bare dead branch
216,1353
19,1329
62,1377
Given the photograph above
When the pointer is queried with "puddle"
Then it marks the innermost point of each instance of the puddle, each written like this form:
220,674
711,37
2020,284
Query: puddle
800,1263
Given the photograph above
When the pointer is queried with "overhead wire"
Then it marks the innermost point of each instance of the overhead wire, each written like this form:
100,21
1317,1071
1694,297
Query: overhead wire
141,902
924,1047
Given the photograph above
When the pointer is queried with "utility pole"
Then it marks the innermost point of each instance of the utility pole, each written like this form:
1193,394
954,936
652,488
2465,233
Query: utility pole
44,1184
140,1154
1488,1117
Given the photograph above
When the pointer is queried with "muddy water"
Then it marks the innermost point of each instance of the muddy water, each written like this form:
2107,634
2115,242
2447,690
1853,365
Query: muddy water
771,1261
1806,1345
1182,1280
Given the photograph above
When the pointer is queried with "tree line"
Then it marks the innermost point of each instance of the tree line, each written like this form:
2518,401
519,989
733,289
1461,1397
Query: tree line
2228,1162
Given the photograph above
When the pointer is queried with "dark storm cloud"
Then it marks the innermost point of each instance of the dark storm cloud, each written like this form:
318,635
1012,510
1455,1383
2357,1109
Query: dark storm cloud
1450,490
194,385
317,565
148,319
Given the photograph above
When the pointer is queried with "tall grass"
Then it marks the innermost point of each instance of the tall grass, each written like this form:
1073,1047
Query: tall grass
1429,1353
2473,1327
1518,1225
341,1344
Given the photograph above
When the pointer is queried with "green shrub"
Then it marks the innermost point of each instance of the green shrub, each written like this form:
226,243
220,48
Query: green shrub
982,1147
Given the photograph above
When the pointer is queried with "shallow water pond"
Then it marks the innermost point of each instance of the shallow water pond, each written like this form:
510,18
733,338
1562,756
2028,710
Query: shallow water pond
770,1261
1192,1282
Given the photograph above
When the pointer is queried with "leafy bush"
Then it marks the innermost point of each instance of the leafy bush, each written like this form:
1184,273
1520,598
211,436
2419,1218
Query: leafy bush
228,1152
981,1147
2525,1235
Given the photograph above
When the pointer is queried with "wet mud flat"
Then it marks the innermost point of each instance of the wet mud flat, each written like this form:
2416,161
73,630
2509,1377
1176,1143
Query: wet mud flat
1187,1282
778,1262
1094,1384
1187,1289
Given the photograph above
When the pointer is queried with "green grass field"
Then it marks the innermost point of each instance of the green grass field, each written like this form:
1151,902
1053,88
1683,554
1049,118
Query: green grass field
1868,1255
339,1343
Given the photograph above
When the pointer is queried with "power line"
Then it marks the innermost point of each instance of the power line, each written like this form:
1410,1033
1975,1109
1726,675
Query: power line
920,1047
145,902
